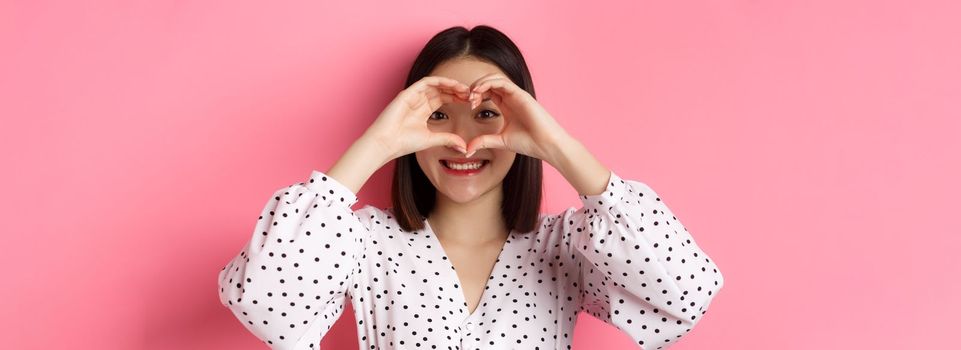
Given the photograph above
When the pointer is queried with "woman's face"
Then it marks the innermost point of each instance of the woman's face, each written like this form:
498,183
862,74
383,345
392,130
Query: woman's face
459,119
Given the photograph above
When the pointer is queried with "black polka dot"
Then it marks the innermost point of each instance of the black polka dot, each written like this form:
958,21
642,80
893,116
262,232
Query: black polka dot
622,257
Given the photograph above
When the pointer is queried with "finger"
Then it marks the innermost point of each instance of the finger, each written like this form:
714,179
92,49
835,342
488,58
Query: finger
459,94
480,97
431,81
449,95
486,77
452,84
494,88
485,141
440,83
448,140
422,88
494,77
500,85
437,99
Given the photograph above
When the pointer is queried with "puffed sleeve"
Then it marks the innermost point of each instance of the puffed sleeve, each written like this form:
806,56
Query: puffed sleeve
640,269
288,285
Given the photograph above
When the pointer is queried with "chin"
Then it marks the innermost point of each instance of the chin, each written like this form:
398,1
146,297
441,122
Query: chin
461,197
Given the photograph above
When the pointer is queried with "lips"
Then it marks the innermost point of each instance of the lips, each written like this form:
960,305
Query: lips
463,172
483,162
463,160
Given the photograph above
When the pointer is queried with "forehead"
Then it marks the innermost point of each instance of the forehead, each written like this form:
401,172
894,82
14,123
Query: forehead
466,70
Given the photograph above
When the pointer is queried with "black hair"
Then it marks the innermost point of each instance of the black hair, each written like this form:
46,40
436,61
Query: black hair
412,193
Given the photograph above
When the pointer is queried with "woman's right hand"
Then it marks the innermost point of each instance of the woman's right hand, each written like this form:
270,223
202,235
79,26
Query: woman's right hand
402,129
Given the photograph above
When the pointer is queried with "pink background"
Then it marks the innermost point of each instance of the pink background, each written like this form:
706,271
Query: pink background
810,146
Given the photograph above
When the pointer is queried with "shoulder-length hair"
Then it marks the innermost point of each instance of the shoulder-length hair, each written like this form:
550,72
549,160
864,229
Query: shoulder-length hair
412,193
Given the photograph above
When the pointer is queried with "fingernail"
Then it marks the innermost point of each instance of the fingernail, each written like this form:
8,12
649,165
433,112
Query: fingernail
461,149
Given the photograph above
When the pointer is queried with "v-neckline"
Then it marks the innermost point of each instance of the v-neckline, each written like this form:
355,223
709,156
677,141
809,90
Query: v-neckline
453,271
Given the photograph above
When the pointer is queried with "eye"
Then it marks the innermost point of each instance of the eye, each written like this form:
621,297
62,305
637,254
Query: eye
493,114
436,113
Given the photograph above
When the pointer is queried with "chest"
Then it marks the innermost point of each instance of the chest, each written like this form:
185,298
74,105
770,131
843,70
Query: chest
405,279
473,267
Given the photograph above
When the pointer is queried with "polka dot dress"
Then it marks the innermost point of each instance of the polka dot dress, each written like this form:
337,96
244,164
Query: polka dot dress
622,257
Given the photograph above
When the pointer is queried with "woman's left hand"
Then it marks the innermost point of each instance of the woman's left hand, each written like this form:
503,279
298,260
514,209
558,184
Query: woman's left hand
528,128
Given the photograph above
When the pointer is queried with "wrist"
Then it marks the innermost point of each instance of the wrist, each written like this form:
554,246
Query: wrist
358,163
375,150
557,149
576,164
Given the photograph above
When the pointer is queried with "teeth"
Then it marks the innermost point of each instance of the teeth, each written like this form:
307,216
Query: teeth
468,166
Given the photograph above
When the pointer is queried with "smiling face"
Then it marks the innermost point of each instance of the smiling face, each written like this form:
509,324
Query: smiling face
459,119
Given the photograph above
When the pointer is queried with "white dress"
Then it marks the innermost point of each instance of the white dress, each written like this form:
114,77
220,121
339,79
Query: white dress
622,257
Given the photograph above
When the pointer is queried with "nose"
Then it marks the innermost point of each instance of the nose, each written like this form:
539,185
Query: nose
467,124
466,128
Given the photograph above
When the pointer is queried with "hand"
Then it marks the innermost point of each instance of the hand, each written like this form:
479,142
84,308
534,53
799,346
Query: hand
528,128
402,127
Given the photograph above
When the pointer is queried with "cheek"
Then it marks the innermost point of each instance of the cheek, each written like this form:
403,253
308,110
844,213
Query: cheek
492,127
504,161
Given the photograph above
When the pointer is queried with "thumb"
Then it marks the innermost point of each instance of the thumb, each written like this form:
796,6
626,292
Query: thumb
448,140
485,141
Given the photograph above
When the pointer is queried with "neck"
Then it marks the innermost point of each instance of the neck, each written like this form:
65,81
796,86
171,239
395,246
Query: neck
472,223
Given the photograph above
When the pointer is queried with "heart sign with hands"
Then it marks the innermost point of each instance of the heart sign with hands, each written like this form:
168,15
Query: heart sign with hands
402,126
528,128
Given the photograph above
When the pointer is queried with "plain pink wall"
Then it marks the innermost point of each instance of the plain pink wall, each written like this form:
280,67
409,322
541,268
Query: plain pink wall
811,147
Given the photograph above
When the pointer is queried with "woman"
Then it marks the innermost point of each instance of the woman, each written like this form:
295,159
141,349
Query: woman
463,259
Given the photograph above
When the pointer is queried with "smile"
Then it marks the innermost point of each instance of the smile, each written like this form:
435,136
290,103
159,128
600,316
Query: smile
464,169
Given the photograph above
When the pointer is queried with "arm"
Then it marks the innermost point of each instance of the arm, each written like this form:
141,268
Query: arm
360,161
288,285
640,269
